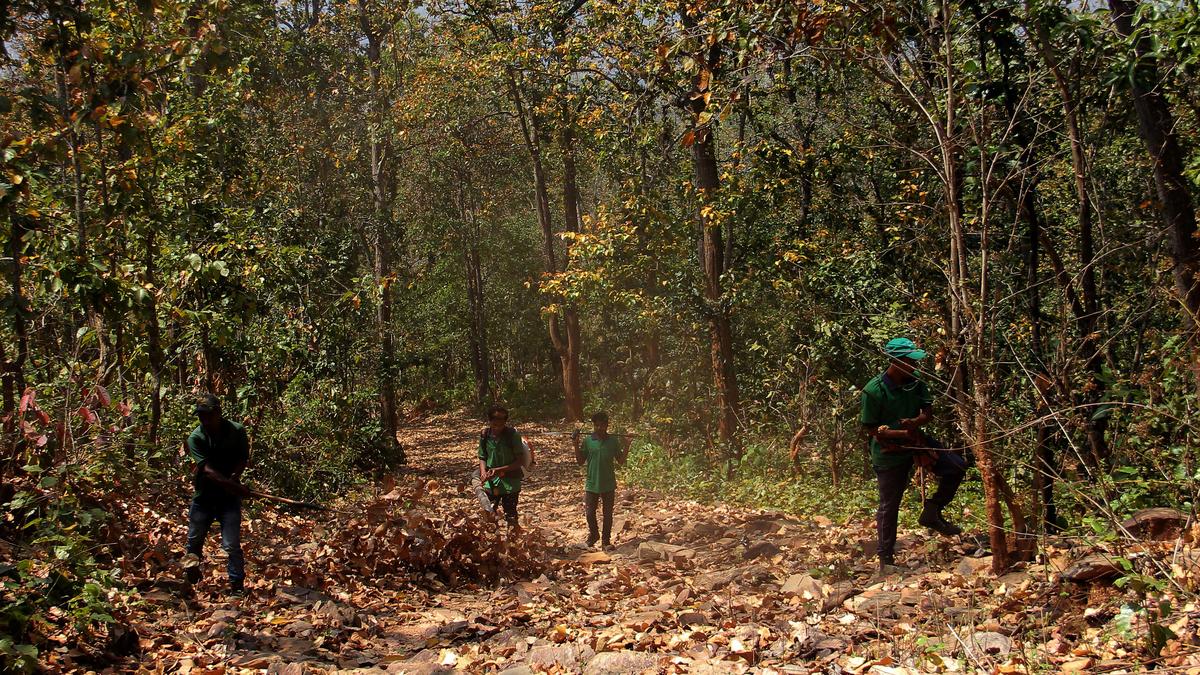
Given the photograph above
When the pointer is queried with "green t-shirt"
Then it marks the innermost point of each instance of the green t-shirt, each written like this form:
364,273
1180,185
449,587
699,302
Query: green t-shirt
885,402
226,451
501,451
601,456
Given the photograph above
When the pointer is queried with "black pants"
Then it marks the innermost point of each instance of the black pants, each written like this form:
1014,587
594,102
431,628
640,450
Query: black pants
949,468
590,501
509,503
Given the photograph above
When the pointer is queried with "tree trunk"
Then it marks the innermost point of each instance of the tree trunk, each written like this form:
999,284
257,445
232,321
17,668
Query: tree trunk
14,371
1157,128
383,179
572,386
477,332
565,346
153,336
1098,450
707,180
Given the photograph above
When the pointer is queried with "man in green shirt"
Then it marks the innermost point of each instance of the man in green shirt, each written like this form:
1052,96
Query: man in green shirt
219,451
895,405
599,451
501,463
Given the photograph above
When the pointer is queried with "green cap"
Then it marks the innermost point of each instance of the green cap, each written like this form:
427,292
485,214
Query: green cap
898,348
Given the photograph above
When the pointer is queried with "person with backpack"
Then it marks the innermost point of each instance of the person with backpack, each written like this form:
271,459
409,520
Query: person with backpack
502,461
599,452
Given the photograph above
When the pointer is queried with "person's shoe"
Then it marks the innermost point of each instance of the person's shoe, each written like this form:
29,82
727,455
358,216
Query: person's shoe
606,546
191,575
888,566
237,589
931,517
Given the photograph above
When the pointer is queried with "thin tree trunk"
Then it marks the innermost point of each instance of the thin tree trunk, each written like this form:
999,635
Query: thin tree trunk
384,236
1087,320
707,181
567,345
572,385
153,336
1157,128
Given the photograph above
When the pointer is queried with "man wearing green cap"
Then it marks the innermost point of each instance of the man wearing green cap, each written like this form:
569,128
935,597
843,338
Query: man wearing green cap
895,405
219,450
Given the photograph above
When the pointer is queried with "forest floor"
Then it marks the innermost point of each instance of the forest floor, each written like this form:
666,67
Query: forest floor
393,584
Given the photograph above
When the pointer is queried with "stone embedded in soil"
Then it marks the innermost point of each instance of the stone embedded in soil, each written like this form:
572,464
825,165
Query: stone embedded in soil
1156,524
973,567
994,644
566,656
624,661
761,549
801,584
1091,568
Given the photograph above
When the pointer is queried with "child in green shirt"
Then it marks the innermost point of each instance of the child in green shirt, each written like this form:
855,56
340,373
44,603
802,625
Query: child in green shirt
599,451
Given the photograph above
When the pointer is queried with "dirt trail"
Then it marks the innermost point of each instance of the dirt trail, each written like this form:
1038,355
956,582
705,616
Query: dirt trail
689,588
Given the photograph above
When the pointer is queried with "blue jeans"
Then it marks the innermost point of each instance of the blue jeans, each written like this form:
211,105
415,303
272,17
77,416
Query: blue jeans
228,512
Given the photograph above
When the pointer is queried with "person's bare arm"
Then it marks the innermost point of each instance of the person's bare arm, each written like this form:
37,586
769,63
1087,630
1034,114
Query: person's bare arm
914,423
484,474
890,439
231,485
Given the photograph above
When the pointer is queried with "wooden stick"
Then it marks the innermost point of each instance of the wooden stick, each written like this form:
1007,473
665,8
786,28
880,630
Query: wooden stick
292,502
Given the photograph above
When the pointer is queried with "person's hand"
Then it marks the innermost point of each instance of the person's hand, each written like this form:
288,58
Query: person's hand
243,491
908,423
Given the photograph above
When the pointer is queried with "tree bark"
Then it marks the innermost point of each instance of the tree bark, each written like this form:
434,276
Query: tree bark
707,181
1087,313
572,384
1156,126
383,178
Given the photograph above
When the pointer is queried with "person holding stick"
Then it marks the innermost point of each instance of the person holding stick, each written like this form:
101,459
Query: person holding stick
219,450
896,404
599,451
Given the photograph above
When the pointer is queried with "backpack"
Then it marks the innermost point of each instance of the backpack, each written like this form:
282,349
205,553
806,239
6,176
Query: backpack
507,437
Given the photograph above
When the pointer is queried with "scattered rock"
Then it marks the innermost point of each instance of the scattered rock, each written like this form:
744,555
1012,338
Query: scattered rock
657,550
994,644
873,602
702,529
518,670
761,549
624,661
567,656
804,586
838,595
686,619
713,581
762,526
1091,568
1157,524
973,567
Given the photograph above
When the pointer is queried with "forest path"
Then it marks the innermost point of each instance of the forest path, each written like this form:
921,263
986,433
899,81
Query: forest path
688,588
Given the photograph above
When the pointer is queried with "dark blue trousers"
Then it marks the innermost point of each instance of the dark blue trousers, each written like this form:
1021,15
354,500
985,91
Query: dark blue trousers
228,512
